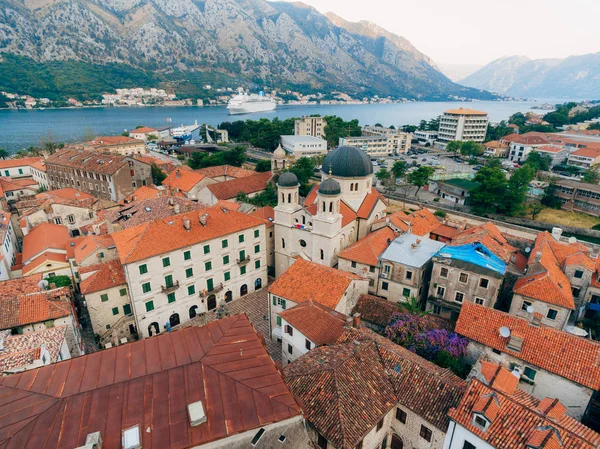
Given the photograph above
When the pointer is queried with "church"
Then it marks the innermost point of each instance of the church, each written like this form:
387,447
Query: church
336,213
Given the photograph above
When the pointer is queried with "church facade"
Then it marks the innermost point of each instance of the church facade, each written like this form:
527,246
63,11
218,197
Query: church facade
336,213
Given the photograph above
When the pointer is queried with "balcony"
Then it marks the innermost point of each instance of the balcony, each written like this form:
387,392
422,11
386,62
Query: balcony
169,289
217,288
242,262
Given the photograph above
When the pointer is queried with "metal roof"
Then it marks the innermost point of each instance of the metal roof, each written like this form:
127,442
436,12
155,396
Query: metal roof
412,250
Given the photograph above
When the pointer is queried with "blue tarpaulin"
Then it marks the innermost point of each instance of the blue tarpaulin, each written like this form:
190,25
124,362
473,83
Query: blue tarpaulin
474,253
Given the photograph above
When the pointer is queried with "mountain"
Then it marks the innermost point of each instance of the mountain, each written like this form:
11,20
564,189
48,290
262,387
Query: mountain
74,45
572,77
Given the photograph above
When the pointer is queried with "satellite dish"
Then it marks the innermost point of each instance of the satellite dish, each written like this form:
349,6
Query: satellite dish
572,240
528,250
530,309
504,332
43,284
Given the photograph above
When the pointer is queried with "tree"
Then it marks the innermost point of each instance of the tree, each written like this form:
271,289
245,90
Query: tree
158,176
535,210
592,175
440,213
453,146
549,198
59,281
3,153
472,149
412,306
409,128
489,195
336,127
263,165
423,125
383,175
517,189
594,127
540,162
399,169
419,177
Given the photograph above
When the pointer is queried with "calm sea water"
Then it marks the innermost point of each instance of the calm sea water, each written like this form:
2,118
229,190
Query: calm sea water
23,128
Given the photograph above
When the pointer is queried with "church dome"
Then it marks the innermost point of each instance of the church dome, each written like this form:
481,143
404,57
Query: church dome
330,187
287,179
279,153
348,162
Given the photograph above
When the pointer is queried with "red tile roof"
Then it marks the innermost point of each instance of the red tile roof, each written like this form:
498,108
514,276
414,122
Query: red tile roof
549,149
518,423
67,195
22,350
9,184
167,234
368,204
499,378
19,162
489,236
305,281
183,180
144,193
91,161
368,249
43,259
346,388
143,129
225,170
227,190
446,231
348,215
558,352
104,276
43,237
150,383
267,213
320,324
532,138
464,111
587,152
420,222
113,140
91,243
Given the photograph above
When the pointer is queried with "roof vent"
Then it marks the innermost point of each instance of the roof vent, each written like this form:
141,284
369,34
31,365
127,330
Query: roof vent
92,441
515,343
203,219
196,413
131,438
187,224
148,209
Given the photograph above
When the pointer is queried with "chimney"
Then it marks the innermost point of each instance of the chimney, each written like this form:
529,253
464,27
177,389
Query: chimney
356,320
349,322
187,224
176,208
92,441
134,198
177,174
203,219
538,257
171,201
556,233
513,258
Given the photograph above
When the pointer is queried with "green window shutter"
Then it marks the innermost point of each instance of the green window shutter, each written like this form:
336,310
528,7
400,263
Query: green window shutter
208,266
127,309
210,285
225,260
243,270
256,248
278,321
283,304
146,287
166,262
191,290
242,254
227,275
257,264
149,306
256,233
224,243
123,292
20,171
189,272
274,300
104,297
187,255
115,310
143,269
171,297
169,281
241,238
206,249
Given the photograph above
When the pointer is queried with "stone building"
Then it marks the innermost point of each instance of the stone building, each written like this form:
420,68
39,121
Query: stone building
107,176
121,145
365,391
182,266
187,183
335,214
45,251
549,362
251,186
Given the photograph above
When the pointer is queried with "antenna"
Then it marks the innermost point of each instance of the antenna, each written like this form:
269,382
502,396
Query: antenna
504,332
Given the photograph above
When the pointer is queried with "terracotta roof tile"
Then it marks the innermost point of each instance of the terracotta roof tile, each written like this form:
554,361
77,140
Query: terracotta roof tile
227,190
368,204
489,236
346,388
558,352
150,383
88,160
112,140
68,195
267,213
104,276
532,138
368,249
446,231
225,170
183,180
91,243
229,205
320,324
22,350
43,237
19,162
587,152
420,222
167,234
499,378
305,281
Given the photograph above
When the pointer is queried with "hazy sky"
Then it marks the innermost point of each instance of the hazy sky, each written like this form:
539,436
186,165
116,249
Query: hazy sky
479,31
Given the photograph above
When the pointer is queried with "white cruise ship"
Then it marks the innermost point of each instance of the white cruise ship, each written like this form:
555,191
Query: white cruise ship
243,103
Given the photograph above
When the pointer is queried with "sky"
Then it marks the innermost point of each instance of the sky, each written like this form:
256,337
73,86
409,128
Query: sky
475,32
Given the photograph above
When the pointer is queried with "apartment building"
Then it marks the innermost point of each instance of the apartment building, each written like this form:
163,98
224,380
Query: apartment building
579,196
463,124
310,126
399,140
304,146
523,144
584,158
18,168
374,146
184,265
107,176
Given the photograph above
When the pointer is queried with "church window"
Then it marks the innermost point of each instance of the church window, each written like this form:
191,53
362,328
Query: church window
289,197
302,243
283,243
322,254
330,207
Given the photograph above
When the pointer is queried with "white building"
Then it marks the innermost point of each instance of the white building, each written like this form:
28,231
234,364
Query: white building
310,126
334,215
304,146
18,168
463,124
584,157
184,265
374,146
399,140
522,145
425,137
9,245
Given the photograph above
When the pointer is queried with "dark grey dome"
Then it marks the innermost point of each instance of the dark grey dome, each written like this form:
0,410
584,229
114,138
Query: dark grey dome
287,179
330,187
348,162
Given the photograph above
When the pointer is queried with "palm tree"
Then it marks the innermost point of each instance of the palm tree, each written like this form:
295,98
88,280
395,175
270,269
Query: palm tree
4,153
412,306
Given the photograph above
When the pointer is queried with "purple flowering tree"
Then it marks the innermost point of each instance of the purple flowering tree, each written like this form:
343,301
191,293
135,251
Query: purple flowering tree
404,327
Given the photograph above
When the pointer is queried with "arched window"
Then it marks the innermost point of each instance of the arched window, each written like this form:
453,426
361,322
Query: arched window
302,243
322,254
356,186
283,197
331,207
303,219
283,243
351,187
289,197
324,207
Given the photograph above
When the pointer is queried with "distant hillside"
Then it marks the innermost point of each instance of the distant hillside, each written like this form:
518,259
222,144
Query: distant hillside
572,77
90,46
